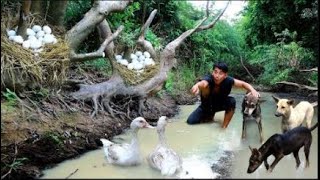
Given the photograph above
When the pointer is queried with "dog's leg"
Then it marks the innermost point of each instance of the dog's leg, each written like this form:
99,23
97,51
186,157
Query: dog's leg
275,162
266,164
306,152
309,116
260,129
296,155
244,131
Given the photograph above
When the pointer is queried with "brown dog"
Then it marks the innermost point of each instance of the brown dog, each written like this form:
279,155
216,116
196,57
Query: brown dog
280,145
251,110
294,116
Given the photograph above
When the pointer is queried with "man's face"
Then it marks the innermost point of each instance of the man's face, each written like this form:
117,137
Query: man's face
218,75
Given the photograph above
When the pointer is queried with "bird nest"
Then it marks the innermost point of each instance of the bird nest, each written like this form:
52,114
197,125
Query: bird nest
133,77
46,68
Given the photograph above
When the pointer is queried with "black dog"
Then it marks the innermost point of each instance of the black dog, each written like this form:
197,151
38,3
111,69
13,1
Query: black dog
280,145
251,110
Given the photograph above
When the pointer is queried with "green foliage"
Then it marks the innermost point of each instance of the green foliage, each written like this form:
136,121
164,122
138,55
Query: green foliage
75,11
56,138
263,18
17,163
11,97
280,60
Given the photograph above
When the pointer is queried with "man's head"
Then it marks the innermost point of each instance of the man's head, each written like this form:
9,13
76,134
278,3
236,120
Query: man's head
220,71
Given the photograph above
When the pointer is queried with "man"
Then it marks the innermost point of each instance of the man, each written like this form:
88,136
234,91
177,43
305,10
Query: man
214,92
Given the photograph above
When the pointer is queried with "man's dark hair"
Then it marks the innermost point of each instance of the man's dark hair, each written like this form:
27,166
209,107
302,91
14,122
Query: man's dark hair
221,65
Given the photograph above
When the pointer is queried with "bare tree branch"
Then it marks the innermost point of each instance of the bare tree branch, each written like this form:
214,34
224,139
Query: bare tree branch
212,24
99,52
301,86
309,70
141,40
246,69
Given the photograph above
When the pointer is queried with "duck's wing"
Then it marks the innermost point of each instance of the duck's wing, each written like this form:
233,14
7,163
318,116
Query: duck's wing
156,158
115,151
172,163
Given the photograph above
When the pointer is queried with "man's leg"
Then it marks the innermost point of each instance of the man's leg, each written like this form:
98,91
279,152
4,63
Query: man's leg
196,116
229,111
227,118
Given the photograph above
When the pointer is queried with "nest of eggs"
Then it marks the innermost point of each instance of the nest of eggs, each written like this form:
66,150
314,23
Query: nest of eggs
131,76
45,68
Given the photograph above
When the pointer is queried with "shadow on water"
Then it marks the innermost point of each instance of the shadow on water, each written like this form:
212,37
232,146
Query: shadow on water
208,151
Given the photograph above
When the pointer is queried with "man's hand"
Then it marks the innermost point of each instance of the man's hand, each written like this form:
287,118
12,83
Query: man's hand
195,89
255,93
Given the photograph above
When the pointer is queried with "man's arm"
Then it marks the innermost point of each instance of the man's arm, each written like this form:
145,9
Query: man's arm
244,85
199,86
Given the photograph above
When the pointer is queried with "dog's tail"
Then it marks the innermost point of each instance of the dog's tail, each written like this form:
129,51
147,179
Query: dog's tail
314,104
314,126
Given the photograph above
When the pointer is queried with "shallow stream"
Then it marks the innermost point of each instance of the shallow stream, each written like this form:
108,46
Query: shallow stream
202,147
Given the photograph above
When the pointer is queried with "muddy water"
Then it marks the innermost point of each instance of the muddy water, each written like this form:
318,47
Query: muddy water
200,146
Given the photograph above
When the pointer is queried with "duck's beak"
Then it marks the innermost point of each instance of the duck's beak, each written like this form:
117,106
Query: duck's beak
147,125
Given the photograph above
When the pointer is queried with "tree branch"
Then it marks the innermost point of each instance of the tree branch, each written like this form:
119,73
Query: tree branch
99,53
141,40
309,70
301,86
246,69
213,23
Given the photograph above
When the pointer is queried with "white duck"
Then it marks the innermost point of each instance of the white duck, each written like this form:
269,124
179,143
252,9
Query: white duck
164,158
126,154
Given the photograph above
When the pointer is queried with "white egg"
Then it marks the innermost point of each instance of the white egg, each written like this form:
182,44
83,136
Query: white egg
55,41
133,56
11,33
138,53
138,66
36,28
149,61
30,32
26,44
124,62
47,29
40,34
36,44
141,58
130,66
48,38
11,38
32,37
146,54
18,39
118,57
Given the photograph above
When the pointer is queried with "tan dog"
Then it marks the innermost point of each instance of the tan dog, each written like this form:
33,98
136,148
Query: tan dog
294,116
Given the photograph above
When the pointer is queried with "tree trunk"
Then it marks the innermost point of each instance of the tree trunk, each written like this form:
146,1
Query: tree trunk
56,12
24,19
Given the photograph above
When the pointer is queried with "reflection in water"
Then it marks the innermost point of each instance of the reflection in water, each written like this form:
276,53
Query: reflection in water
200,146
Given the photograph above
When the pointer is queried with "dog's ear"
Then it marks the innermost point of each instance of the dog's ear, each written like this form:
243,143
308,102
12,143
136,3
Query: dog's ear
290,101
275,98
